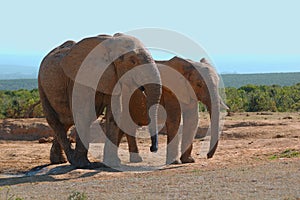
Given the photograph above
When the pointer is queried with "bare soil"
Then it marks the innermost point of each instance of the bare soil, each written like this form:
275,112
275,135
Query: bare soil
258,158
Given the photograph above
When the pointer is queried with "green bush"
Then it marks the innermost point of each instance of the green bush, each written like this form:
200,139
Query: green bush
20,104
249,98
253,98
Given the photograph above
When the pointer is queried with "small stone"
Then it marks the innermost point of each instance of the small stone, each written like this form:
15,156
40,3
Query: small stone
46,140
288,117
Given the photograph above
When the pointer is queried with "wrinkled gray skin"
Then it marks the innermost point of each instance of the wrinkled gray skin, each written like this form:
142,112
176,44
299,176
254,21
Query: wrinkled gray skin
204,84
57,78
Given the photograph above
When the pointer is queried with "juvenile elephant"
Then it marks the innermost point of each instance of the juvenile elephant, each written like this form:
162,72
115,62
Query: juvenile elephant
77,67
204,83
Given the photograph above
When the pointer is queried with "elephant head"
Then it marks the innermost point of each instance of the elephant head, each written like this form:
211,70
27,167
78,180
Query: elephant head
204,82
100,62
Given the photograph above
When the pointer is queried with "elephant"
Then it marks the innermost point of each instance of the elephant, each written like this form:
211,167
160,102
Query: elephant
72,91
204,82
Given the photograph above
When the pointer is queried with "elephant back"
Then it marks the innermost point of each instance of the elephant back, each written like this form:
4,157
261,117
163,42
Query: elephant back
51,63
62,50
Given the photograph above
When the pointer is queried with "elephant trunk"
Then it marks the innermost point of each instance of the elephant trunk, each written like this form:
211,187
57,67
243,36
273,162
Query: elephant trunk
215,124
153,92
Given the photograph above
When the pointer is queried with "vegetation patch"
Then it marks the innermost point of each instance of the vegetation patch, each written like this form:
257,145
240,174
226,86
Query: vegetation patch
20,104
263,98
289,153
5,193
249,98
77,196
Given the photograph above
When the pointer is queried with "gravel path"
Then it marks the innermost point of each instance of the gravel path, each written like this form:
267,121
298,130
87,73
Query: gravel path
274,180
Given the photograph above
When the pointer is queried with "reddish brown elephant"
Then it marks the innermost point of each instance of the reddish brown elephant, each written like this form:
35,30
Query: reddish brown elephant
78,65
204,81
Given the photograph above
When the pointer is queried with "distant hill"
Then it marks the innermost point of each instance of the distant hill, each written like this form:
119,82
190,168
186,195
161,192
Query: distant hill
17,84
18,72
230,80
282,79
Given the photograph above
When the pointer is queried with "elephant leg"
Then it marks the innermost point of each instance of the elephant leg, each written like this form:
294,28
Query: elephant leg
190,124
80,159
83,138
172,141
120,136
60,142
172,107
133,149
186,156
134,156
110,154
56,153
84,113
60,131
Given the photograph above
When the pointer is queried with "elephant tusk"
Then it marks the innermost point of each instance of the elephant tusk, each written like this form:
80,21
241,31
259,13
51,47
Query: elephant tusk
223,106
212,151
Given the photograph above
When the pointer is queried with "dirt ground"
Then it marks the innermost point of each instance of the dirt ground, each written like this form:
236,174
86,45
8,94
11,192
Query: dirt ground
258,158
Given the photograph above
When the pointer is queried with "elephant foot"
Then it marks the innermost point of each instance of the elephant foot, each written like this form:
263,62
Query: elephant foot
135,158
173,162
57,156
82,164
58,159
80,161
189,159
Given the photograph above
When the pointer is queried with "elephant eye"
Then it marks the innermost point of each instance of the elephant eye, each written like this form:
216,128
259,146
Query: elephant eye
133,60
142,88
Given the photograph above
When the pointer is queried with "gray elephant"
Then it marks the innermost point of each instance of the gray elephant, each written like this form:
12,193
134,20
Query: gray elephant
203,81
73,92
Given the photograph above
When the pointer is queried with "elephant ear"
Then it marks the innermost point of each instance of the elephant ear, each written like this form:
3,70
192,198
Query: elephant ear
173,76
138,108
88,63
186,91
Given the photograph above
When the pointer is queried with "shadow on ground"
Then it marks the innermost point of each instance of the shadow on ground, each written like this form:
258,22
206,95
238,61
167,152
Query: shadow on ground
64,172
50,173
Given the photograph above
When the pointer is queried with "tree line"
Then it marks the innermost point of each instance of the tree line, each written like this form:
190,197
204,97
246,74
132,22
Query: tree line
256,98
249,98
20,104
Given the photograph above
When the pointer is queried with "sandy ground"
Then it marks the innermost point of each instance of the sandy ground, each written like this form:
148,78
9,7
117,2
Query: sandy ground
258,158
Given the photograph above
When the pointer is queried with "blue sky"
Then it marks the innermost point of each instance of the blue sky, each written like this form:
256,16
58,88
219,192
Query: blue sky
240,36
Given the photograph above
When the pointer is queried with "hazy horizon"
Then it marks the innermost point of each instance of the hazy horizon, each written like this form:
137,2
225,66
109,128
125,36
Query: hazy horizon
27,66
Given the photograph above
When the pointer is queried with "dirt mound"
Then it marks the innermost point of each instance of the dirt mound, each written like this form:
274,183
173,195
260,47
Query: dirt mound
24,129
248,123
